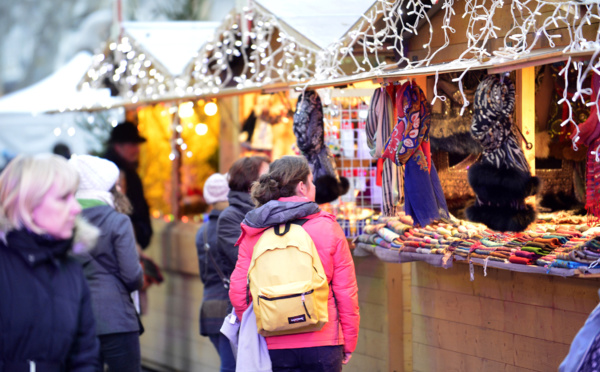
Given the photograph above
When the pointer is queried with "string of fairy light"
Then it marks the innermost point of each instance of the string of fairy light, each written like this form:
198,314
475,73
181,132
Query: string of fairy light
265,52
251,49
128,70
388,24
255,41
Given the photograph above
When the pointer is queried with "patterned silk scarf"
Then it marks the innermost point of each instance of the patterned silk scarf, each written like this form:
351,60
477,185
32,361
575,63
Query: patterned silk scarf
492,124
408,145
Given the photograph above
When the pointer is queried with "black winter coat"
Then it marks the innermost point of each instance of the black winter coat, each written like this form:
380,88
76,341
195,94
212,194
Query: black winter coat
140,218
45,308
229,229
215,299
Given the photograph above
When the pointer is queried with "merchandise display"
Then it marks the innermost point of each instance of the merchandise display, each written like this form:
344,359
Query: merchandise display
558,249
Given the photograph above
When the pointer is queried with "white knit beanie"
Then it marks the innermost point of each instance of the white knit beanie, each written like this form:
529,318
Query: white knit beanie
216,189
95,173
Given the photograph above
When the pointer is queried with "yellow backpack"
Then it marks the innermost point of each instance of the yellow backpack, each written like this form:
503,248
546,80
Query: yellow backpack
287,282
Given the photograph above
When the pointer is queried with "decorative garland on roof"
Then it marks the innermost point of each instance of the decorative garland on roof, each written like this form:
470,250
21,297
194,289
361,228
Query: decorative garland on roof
130,72
388,25
249,50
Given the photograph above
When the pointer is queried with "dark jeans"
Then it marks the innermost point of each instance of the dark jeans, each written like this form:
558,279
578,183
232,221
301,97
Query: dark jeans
313,359
224,349
121,351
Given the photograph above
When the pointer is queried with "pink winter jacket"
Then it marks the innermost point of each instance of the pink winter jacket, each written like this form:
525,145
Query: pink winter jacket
337,261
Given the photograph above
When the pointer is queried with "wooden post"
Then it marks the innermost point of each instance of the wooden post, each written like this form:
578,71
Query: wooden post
175,169
525,110
397,279
229,146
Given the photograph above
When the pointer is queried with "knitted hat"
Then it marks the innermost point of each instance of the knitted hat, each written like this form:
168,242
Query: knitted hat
216,189
95,173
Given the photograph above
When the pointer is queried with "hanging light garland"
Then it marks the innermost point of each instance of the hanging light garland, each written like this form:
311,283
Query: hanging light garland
249,50
386,27
131,73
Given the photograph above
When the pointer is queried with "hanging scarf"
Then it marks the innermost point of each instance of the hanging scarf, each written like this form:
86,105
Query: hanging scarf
492,124
501,178
309,131
408,144
378,130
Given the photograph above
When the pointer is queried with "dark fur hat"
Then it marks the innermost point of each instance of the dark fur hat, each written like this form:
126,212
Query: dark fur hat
328,188
501,186
503,218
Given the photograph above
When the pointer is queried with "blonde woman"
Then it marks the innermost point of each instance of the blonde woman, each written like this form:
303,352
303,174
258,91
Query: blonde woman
46,318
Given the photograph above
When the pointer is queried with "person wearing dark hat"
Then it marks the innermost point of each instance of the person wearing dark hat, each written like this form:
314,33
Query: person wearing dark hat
124,151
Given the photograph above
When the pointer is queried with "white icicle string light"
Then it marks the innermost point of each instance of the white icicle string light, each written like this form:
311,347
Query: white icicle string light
386,26
128,67
565,99
268,55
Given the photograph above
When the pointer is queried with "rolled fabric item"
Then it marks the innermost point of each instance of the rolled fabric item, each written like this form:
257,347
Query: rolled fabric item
568,264
520,260
409,249
501,179
372,229
387,234
364,238
536,250
553,242
525,254
382,243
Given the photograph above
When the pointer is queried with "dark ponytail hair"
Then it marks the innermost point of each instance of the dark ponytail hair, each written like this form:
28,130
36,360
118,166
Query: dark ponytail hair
281,181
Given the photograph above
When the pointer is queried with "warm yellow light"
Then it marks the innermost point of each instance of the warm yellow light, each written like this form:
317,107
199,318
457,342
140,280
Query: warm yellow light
201,129
186,110
210,108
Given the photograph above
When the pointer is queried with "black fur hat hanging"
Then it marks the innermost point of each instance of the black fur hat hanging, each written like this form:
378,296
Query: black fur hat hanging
501,179
309,131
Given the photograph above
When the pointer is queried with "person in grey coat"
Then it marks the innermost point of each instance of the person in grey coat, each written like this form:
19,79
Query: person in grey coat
113,268
242,174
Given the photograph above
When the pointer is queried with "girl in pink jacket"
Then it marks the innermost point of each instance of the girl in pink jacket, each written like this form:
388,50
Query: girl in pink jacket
287,193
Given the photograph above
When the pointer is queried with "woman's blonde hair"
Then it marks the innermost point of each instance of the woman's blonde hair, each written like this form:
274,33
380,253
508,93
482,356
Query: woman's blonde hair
281,181
24,183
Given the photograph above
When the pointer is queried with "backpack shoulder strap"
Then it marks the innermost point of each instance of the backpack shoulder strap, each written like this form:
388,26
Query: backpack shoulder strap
286,229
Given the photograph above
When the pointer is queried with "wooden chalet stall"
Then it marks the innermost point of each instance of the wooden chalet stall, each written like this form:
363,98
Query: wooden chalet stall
274,35
472,317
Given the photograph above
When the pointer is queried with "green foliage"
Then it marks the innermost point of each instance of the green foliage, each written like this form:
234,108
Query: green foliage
98,124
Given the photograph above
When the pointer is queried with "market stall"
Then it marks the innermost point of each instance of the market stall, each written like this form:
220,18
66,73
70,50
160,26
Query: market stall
515,299
518,312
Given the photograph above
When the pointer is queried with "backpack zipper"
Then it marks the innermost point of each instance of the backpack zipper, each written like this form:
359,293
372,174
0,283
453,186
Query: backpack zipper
290,296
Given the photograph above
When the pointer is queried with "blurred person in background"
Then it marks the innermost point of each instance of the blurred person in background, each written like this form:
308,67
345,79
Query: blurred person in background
215,299
112,269
124,151
242,174
46,318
